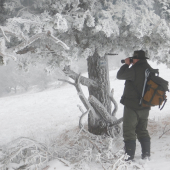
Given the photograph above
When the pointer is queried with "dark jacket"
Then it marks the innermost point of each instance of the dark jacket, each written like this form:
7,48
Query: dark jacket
134,77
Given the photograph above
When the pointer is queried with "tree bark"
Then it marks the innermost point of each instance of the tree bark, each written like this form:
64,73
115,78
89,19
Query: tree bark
99,72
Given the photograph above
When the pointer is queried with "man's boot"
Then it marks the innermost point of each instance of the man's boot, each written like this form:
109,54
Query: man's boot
145,144
130,147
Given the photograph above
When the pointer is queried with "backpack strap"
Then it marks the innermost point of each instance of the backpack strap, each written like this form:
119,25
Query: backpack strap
163,104
155,71
147,72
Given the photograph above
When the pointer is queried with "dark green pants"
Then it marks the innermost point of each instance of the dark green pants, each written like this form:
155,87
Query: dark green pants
135,123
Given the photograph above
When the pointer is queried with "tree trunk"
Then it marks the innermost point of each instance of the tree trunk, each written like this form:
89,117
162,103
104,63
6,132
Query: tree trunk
98,71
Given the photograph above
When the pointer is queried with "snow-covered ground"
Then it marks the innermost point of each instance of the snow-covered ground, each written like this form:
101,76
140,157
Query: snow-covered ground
48,114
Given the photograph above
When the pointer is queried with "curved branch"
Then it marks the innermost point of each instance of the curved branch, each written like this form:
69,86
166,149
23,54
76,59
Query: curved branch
56,40
81,117
7,55
83,80
114,102
21,10
3,32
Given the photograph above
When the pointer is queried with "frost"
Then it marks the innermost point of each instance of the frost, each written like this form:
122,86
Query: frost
98,28
86,53
79,23
90,20
107,25
2,45
75,53
60,23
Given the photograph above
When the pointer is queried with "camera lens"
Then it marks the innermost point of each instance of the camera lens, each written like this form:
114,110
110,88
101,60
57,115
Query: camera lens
131,60
122,61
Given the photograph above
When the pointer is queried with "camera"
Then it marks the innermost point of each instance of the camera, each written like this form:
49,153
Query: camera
131,60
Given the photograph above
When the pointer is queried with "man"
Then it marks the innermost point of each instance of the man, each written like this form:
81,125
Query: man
135,118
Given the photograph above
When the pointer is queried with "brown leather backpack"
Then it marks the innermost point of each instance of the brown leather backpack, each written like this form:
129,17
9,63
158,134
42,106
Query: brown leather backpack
155,91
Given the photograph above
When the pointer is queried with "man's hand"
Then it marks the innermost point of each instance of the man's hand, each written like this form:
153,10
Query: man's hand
127,61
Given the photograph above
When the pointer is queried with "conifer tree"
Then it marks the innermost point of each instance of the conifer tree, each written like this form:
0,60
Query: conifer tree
56,32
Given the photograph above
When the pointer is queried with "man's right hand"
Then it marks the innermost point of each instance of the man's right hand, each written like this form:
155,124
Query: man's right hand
127,61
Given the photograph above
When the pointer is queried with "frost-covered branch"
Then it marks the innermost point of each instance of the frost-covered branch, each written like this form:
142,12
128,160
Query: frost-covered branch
83,80
81,94
23,47
76,150
22,9
30,151
4,34
114,102
4,55
24,44
81,117
66,81
57,41
26,50
102,110
92,101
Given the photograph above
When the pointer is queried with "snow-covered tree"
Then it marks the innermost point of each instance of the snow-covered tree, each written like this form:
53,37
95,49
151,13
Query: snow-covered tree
56,32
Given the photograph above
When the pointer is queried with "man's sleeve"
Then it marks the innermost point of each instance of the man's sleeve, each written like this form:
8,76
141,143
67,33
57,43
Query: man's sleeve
126,73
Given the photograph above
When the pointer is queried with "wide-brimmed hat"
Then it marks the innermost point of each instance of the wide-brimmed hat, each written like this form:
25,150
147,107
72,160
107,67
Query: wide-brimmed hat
139,55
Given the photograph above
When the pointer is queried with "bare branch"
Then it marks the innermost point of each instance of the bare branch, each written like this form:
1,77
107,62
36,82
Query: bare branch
4,34
83,98
114,102
5,31
25,43
83,80
85,137
7,55
164,131
83,114
59,42
80,108
81,94
75,7
66,81
29,41
21,11
26,50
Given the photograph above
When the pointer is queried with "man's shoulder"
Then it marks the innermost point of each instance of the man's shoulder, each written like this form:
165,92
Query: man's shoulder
142,64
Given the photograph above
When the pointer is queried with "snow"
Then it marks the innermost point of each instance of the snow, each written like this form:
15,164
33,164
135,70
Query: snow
50,113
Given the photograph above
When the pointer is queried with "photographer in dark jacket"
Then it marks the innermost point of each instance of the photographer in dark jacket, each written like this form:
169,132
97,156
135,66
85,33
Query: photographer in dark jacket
135,118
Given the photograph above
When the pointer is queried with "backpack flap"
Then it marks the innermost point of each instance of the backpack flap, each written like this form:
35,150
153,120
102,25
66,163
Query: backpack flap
155,91
154,94
161,82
